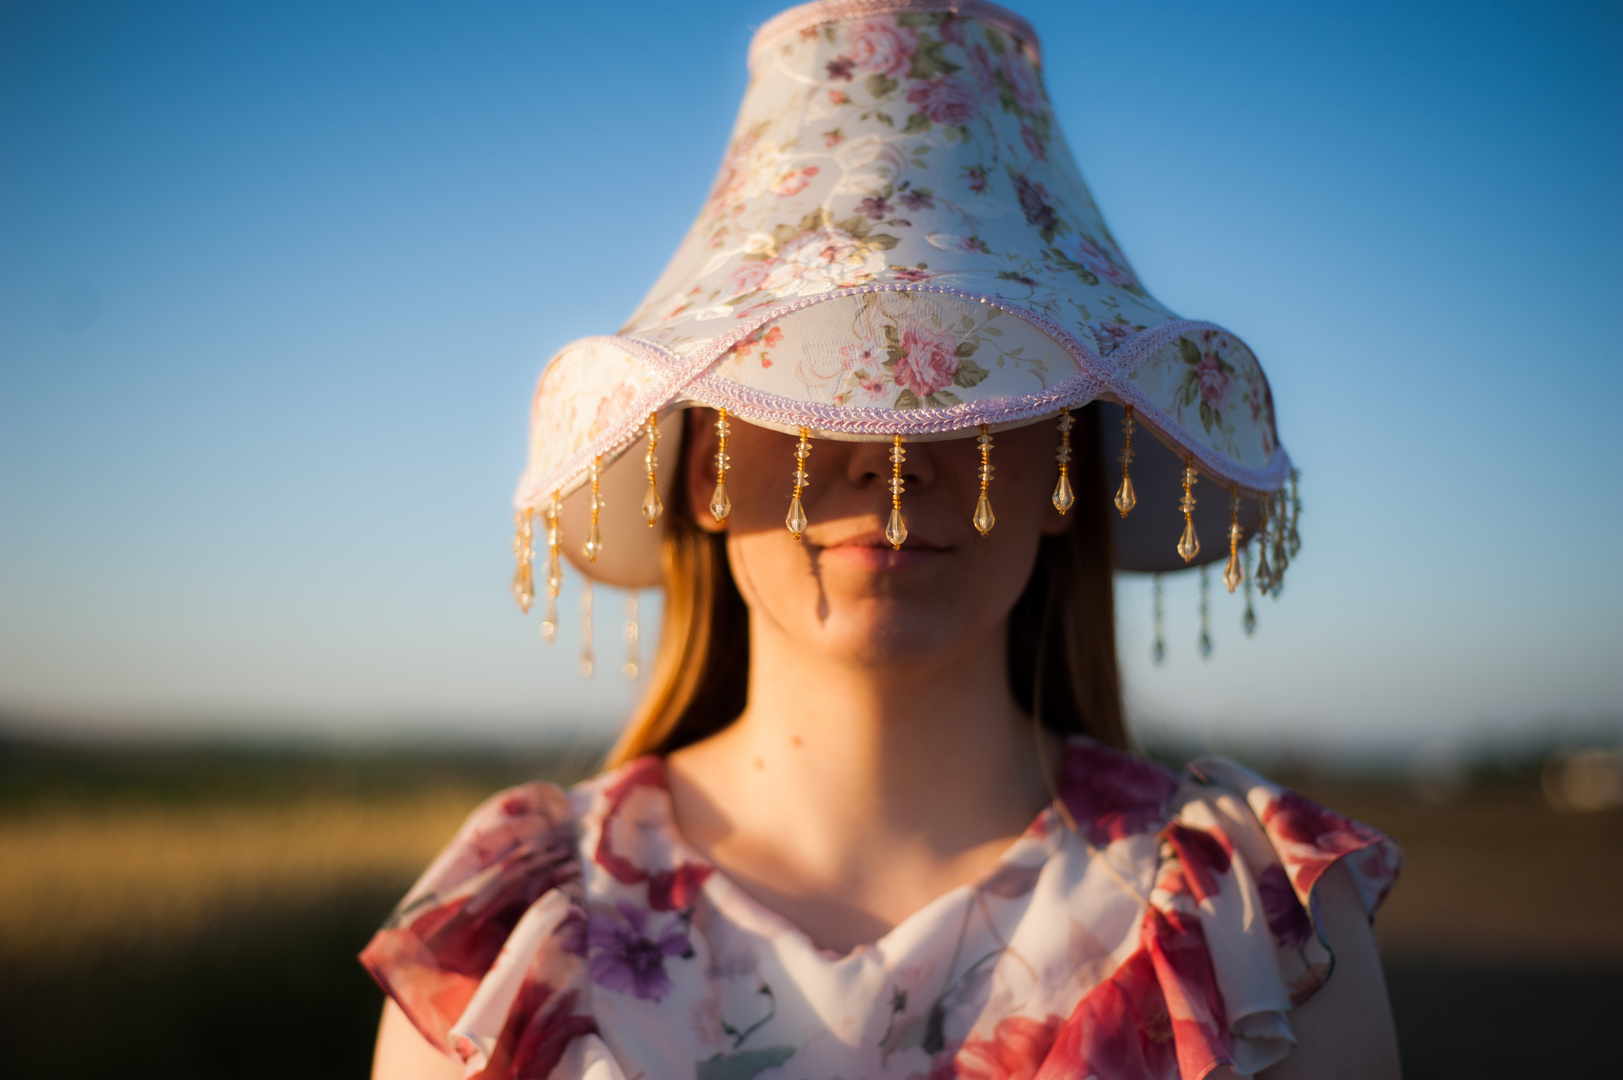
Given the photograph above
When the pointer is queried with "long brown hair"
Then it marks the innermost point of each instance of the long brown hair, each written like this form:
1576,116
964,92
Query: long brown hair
1062,631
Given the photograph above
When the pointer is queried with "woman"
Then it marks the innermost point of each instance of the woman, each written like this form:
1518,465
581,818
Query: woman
875,817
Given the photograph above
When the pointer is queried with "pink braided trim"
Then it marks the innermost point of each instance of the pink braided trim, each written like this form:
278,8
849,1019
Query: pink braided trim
688,377
808,16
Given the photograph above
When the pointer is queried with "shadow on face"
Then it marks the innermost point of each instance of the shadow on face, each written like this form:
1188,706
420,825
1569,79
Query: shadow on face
842,589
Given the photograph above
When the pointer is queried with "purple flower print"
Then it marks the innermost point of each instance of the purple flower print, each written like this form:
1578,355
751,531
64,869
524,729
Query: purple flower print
1034,204
1213,381
875,207
1034,146
1286,917
975,177
946,100
626,959
1097,260
918,200
840,68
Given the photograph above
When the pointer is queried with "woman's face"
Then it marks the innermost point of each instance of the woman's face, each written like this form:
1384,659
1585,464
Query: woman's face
842,590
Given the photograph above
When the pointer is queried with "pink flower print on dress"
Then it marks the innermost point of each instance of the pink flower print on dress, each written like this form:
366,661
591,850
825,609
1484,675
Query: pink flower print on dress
1120,1030
540,1026
929,359
1310,838
908,273
1203,857
1112,795
946,100
627,959
1017,1049
1093,257
1022,81
1286,917
882,46
1213,381
1183,968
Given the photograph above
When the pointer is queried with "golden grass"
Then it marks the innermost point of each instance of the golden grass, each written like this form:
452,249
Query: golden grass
1497,875
78,880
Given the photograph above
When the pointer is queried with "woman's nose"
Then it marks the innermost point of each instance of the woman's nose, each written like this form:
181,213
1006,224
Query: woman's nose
871,461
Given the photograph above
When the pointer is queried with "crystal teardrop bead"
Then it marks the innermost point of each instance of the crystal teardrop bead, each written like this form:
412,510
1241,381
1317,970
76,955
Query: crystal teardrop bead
796,521
523,588
1249,622
549,630
720,504
1188,543
1063,499
1265,573
1158,652
1126,498
594,543
1205,645
984,518
896,529
1232,574
651,506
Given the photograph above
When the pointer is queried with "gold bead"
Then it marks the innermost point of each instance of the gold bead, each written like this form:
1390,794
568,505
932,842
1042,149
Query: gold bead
1063,499
720,505
895,528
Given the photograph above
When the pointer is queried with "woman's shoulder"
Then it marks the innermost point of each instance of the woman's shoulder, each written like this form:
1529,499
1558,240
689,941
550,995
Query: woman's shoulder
1283,832
447,932
1112,793
1231,845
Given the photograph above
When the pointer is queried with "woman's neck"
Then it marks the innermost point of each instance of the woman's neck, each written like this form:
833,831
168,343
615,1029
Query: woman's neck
849,794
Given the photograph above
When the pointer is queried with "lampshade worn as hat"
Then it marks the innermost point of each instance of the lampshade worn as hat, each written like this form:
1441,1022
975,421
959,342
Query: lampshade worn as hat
899,247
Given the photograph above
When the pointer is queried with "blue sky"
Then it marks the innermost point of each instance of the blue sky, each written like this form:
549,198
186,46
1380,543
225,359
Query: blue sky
276,281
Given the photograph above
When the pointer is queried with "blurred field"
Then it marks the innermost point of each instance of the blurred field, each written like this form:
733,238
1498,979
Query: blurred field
185,914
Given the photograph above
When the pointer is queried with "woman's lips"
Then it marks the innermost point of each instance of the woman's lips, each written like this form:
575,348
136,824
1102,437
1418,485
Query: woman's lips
874,553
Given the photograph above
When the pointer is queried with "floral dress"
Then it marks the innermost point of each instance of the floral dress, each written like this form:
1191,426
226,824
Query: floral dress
1148,924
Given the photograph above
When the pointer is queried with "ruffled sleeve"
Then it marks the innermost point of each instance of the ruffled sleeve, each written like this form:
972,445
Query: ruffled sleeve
1234,928
485,953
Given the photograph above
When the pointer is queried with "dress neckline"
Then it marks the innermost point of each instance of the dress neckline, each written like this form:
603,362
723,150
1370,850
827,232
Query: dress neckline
1021,859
